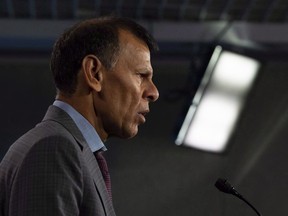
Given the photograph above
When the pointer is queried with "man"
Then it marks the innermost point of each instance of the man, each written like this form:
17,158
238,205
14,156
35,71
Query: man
103,75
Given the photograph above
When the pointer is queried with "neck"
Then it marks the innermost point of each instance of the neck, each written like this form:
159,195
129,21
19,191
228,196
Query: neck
84,105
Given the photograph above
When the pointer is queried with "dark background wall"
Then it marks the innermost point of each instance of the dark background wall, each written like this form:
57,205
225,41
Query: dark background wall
150,174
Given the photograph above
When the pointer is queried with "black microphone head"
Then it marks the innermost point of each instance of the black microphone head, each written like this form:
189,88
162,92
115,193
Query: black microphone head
224,186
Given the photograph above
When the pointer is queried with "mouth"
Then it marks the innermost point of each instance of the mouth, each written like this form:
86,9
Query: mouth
142,115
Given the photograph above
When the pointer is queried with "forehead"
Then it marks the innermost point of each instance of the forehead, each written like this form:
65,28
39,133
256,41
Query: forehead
133,48
128,39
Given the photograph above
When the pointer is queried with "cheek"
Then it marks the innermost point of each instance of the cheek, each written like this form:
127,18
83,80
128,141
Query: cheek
133,101
129,98
123,98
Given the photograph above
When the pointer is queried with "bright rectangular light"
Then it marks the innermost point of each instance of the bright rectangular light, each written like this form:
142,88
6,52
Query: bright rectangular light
217,104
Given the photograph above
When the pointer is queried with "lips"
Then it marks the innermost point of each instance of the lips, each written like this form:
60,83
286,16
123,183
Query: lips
142,115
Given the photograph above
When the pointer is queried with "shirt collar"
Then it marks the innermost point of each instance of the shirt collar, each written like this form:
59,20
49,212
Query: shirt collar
88,131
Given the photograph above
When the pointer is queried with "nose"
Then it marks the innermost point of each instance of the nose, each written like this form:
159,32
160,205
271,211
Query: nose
152,93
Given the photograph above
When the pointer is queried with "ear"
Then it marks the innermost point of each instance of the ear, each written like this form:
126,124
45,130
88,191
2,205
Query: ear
92,69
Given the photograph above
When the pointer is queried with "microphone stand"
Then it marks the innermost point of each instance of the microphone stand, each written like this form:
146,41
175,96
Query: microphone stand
224,186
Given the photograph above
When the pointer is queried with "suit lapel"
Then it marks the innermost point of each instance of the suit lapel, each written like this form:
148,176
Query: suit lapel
98,180
56,114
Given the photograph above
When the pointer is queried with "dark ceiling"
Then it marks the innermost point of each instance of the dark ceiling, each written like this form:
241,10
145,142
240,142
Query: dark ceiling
260,11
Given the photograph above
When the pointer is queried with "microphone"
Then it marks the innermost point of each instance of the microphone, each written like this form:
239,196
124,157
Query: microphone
224,186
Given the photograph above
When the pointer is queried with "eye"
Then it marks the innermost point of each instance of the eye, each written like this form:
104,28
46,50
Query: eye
141,75
144,75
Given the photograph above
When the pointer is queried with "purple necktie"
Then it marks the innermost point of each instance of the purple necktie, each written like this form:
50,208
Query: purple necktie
104,170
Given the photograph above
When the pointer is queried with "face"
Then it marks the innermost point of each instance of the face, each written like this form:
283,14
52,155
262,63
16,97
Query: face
127,89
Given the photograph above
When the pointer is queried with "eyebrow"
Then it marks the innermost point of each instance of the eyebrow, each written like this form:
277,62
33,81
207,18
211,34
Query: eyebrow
146,71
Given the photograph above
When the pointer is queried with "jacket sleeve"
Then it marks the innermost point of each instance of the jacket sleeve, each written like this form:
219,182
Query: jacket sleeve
49,180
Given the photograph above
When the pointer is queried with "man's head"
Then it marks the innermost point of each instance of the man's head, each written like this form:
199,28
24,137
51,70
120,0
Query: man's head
99,37
102,67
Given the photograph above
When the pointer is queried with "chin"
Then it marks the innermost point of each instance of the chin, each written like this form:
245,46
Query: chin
128,134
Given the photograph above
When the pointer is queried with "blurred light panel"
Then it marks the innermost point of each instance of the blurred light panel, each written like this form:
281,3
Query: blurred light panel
217,104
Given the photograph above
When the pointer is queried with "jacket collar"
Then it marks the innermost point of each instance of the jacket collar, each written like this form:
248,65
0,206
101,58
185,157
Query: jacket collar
56,114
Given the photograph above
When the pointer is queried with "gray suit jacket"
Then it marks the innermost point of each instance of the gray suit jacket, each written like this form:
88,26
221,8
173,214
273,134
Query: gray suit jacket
51,171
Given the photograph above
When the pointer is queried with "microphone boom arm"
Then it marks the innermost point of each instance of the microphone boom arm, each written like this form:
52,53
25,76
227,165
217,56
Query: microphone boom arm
224,186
